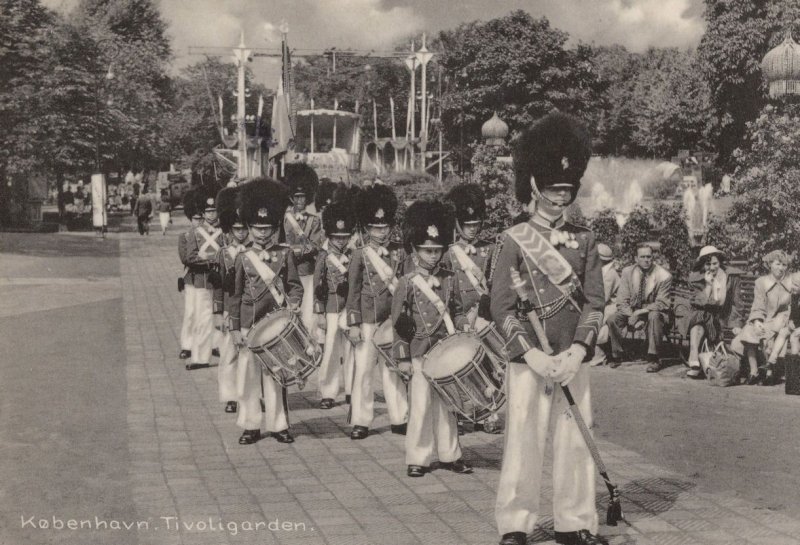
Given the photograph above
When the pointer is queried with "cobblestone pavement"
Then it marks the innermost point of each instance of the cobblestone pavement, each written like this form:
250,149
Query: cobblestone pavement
192,483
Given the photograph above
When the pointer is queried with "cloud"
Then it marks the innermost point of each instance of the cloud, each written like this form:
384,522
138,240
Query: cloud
365,23
636,24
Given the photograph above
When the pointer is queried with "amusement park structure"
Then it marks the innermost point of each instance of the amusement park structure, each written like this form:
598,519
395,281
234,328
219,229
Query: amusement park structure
334,141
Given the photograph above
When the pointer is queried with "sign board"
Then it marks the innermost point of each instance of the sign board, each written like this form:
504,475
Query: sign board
99,216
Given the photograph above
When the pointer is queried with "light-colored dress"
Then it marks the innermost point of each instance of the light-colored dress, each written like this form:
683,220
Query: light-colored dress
771,304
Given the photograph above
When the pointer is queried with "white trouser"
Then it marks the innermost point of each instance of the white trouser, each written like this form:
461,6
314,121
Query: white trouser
227,370
307,304
163,218
217,337
533,404
187,327
330,370
363,394
432,432
203,331
256,381
349,367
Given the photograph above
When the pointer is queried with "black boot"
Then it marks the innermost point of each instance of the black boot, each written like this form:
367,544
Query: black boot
581,537
514,538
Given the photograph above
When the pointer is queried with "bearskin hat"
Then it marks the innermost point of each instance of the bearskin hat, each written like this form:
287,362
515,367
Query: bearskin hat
377,205
301,178
469,201
430,221
554,150
338,219
227,208
194,202
263,201
324,195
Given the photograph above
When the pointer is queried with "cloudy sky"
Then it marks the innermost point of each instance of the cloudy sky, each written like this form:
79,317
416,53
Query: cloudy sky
376,24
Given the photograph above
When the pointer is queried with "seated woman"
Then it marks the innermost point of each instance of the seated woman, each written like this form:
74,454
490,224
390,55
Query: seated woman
768,316
716,303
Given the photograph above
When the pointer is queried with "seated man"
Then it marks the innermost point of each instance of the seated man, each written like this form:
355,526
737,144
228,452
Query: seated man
642,301
610,287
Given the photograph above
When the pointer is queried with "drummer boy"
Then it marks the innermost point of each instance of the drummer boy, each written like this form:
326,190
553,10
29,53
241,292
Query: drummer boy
425,309
266,279
470,257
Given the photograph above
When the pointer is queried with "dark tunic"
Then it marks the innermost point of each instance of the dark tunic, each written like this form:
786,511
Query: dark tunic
369,299
201,268
330,285
305,252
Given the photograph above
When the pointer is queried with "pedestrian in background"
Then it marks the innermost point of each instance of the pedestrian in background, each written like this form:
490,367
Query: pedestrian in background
164,210
143,210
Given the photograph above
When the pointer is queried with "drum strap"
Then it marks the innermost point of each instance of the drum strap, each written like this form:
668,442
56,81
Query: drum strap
420,282
336,262
210,240
266,274
466,263
294,224
547,259
384,271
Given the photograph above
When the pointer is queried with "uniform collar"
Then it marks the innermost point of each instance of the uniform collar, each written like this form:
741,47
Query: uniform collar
547,223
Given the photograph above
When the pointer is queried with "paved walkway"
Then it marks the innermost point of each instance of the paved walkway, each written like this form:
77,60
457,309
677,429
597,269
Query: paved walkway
192,483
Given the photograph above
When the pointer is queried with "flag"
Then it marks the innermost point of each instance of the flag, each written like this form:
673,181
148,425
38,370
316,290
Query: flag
281,124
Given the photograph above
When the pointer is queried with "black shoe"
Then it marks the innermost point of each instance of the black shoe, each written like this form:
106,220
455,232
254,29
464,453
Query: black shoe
416,471
514,538
655,364
359,432
399,429
490,426
215,352
326,403
770,378
347,399
460,426
193,366
185,354
230,407
459,466
249,437
283,436
614,361
581,537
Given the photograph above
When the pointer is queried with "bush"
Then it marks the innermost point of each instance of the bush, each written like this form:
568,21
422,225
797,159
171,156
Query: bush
635,231
497,180
673,235
605,226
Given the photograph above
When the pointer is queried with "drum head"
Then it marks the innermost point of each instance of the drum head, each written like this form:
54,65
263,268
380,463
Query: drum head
384,334
451,355
269,328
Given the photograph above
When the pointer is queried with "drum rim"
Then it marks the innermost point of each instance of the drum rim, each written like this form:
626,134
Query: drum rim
274,341
468,334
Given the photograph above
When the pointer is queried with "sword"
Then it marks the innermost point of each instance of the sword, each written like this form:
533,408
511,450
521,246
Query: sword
614,512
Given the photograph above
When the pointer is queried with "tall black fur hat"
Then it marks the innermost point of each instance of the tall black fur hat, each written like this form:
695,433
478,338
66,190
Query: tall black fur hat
324,195
554,151
194,203
301,178
263,201
338,219
469,201
377,205
227,208
429,223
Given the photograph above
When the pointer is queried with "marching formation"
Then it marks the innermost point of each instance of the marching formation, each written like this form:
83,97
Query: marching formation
287,278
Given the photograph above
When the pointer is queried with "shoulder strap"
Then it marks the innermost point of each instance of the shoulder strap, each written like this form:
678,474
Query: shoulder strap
426,290
384,271
467,265
266,274
293,224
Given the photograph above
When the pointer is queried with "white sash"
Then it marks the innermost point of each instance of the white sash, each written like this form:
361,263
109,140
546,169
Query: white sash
466,263
426,290
266,274
337,263
384,271
293,223
210,241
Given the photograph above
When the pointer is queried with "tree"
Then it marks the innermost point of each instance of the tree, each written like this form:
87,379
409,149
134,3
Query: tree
767,187
738,35
497,180
605,227
635,231
516,66
673,235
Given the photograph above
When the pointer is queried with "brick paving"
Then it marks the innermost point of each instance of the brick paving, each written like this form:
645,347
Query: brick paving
327,489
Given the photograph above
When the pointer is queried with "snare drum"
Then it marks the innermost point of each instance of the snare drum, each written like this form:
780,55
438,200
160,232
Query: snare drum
460,369
285,349
492,340
383,339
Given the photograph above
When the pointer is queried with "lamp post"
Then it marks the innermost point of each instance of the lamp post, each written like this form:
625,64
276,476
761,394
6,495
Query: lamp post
423,57
98,182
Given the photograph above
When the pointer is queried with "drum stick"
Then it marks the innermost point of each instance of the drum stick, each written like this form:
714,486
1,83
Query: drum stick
614,513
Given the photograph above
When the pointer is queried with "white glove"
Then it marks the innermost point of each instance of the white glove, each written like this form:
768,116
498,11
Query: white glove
571,360
543,365
236,335
343,322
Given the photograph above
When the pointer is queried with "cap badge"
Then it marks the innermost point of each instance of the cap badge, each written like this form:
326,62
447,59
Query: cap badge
564,163
262,213
433,232
340,224
380,213
470,210
210,201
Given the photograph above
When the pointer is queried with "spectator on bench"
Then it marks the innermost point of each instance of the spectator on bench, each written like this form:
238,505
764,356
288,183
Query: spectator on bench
610,288
715,303
768,316
643,301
